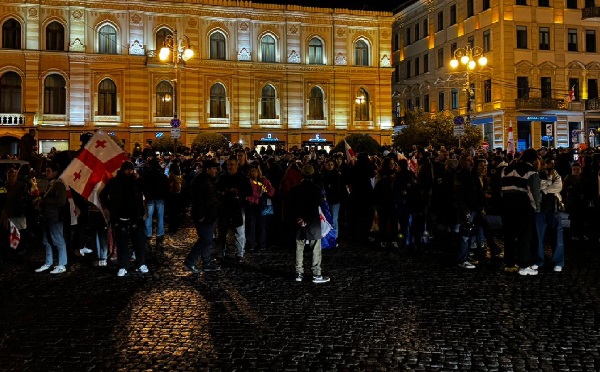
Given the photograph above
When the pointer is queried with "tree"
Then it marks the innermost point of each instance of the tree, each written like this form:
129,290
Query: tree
210,139
359,143
424,129
165,144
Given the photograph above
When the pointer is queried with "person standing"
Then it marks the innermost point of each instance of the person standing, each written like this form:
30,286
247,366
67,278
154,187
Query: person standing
520,200
156,189
205,210
256,221
52,205
123,202
305,199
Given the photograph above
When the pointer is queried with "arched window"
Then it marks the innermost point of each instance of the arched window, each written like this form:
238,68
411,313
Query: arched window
361,53
161,36
107,40
361,103
267,108
55,36
55,95
218,101
217,46
10,93
164,99
315,51
107,98
267,49
315,104
11,34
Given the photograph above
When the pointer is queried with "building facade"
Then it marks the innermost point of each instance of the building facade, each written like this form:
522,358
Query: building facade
260,73
542,73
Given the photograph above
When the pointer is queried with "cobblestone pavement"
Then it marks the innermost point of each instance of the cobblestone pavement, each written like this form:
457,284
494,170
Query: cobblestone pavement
383,310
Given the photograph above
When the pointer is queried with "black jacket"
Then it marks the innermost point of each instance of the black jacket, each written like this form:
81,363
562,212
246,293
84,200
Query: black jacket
305,199
155,184
123,197
205,203
334,187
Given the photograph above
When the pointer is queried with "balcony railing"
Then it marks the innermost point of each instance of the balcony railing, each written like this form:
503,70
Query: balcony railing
540,104
12,119
592,104
592,12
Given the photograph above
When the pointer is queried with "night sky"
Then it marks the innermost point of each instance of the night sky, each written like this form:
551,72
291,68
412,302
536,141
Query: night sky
387,5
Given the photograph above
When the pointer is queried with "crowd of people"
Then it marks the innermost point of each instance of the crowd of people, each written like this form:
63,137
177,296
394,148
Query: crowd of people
277,198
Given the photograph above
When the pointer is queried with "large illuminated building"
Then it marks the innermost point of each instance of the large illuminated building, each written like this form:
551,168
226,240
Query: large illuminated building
259,73
541,75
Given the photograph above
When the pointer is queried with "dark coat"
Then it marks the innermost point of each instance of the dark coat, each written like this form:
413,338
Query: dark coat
123,197
233,189
53,201
305,199
155,184
334,187
205,202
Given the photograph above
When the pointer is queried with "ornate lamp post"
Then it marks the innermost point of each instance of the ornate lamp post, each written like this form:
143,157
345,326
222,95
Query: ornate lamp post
181,51
469,57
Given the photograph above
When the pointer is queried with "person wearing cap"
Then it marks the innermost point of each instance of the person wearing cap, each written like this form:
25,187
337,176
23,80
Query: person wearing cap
123,202
205,210
305,199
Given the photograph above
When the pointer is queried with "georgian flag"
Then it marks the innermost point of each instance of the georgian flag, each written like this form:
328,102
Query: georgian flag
510,145
15,236
98,162
349,151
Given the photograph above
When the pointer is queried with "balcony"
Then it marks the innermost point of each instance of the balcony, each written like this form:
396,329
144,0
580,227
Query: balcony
592,104
12,119
540,104
592,12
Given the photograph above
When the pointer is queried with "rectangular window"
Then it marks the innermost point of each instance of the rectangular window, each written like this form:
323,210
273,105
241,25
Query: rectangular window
521,2
441,102
409,105
453,48
572,40
425,28
592,88
454,98
407,36
546,87
522,87
440,58
471,41
572,4
485,4
396,41
452,15
417,32
487,41
470,8
397,73
440,22
544,38
544,3
417,65
522,37
408,69
590,41
426,103
487,91
418,102
426,63
574,85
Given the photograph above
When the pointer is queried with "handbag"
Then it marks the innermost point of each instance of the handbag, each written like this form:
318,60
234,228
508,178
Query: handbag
266,206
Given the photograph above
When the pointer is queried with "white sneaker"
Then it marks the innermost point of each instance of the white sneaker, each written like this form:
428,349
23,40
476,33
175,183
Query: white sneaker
395,244
85,250
102,263
534,267
528,271
42,268
143,269
58,269
466,265
557,269
122,272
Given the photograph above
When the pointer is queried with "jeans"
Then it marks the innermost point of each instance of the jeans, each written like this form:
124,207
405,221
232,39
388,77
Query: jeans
316,256
124,232
159,205
552,220
100,229
475,235
53,236
203,245
256,224
335,215
240,235
517,226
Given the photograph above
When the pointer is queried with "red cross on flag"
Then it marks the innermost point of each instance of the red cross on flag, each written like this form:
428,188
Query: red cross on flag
98,162
15,236
349,151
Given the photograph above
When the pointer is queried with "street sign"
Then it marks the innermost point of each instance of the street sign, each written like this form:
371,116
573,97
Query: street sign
459,120
548,129
175,133
459,130
175,123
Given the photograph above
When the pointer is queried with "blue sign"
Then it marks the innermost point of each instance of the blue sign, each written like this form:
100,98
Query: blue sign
488,120
159,134
175,123
458,120
317,139
521,145
550,118
270,138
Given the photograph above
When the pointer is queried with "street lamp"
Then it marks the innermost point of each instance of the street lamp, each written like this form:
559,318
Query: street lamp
470,57
181,51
